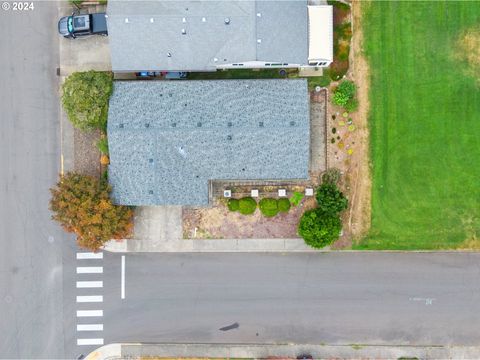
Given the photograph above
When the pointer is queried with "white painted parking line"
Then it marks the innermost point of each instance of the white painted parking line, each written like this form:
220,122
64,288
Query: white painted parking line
89,341
122,295
89,255
89,284
89,269
89,313
89,327
93,298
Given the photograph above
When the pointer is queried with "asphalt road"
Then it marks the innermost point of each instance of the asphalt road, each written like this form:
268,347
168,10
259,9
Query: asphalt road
334,298
31,303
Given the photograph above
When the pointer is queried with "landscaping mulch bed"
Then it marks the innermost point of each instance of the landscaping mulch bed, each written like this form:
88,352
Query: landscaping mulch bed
218,222
86,155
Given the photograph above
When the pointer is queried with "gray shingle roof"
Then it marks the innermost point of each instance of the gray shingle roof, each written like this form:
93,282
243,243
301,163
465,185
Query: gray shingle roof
167,139
154,30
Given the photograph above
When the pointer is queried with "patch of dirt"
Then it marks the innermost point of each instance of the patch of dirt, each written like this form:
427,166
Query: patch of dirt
218,222
468,50
86,155
350,151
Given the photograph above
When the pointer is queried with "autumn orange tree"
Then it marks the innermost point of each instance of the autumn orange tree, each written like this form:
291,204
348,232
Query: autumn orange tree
82,205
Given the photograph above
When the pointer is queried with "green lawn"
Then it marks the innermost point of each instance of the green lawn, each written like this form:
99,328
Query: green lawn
425,125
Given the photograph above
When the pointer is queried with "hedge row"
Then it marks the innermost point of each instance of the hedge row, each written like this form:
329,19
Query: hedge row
269,207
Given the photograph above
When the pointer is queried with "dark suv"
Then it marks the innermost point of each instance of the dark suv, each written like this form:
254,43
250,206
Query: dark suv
82,25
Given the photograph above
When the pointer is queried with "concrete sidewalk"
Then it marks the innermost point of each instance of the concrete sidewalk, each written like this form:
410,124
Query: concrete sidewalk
260,351
210,245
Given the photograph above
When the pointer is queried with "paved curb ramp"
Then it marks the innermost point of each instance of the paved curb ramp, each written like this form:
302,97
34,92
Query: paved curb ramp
263,351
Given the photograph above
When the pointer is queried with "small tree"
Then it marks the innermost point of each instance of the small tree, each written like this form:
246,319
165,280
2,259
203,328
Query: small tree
268,207
85,99
81,204
319,229
330,199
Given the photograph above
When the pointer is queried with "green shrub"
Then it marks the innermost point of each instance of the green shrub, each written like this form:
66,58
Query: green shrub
247,205
102,145
331,176
338,4
284,205
233,204
268,207
331,200
85,99
319,229
344,93
322,81
296,198
351,105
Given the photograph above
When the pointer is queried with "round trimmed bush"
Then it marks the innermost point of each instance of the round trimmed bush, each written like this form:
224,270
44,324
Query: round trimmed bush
247,205
233,204
269,207
319,229
283,205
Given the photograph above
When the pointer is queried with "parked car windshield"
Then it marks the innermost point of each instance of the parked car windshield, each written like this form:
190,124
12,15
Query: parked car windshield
70,24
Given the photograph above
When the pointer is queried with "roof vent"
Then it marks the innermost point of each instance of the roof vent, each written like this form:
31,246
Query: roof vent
150,160
147,125
184,20
227,20
150,192
169,54
259,14
151,20
174,124
292,123
229,124
259,41
184,32
126,20
199,124
260,124
215,59
120,126
229,137
182,152
204,19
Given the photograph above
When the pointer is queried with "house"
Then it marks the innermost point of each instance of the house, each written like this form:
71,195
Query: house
169,139
205,35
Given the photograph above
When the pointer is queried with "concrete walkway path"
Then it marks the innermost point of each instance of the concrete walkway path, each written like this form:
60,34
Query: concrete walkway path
260,351
209,245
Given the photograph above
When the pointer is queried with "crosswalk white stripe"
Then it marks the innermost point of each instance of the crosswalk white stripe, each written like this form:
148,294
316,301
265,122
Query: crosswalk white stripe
92,298
89,284
89,327
89,313
89,269
89,255
89,341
